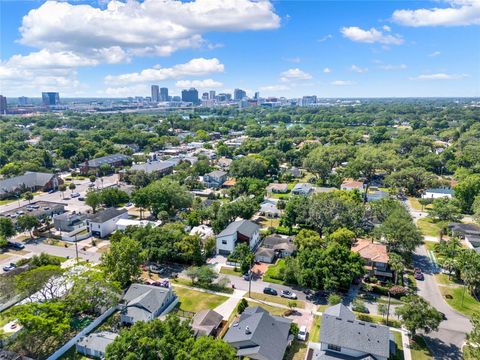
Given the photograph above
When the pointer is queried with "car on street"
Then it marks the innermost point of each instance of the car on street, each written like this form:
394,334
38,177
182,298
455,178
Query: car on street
9,267
270,291
75,195
16,245
418,276
51,191
247,276
288,294
302,333
81,198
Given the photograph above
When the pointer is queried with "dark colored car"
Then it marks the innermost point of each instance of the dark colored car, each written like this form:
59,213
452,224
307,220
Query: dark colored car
16,245
270,291
9,267
418,276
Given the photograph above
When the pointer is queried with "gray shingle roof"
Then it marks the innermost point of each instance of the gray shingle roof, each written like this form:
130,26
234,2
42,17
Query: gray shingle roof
357,335
244,227
142,300
105,215
216,173
340,311
29,180
98,341
109,159
205,321
258,332
153,166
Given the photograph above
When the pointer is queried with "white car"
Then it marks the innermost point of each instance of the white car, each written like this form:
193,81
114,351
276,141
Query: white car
288,294
302,333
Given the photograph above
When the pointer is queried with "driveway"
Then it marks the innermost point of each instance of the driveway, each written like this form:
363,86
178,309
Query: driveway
446,343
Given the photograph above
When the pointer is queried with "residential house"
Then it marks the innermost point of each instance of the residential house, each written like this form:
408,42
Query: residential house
123,223
343,337
350,184
273,247
469,232
269,209
236,232
215,179
94,345
104,222
206,323
224,163
30,181
203,231
277,188
259,336
302,189
69,221
375,195
438,193
295,172
159,168
115,160
229,183
146,302
375,256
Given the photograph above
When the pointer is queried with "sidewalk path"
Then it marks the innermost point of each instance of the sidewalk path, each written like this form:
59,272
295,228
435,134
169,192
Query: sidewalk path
230,305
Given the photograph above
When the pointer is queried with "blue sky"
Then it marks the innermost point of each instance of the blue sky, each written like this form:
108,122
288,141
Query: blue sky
281,48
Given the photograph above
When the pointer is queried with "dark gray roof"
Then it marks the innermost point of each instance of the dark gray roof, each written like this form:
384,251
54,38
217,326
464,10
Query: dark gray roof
244,227
109,159
465,228
153,166
340,311
263,251
29,180
441,191
217,173
352,334
279,243
105,215
142,300
205,321
97,341
258,332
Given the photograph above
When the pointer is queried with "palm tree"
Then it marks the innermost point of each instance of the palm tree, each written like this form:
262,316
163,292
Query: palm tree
397,265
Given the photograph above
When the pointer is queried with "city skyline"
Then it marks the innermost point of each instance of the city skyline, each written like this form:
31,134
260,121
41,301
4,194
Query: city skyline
291,49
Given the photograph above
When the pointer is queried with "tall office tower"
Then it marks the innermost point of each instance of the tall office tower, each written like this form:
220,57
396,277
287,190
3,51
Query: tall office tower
50,98
212,94
164,94
22,101
309,100
205,96
3,105
155,94
190,95
239,94
257,95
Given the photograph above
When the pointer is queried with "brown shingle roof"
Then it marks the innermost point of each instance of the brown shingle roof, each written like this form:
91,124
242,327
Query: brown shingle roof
371,251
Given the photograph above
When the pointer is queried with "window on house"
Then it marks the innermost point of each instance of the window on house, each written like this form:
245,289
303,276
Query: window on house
224,242
334,347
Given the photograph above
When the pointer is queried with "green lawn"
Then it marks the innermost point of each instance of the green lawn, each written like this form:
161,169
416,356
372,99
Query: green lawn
273,310
419,349
453,296
194,301
314,334
7,201
230,271
414,203
273,272
397,337
430,228
276,299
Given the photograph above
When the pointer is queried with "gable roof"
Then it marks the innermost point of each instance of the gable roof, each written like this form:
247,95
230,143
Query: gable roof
205,321
107,214
352,184
153,166
143,300
216,173
302,187
371,251
109,159
361,336
29,179
97,341
340,311
258,332
244,227
470,229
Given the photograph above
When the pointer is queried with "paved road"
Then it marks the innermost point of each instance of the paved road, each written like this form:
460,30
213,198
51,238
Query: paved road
447,342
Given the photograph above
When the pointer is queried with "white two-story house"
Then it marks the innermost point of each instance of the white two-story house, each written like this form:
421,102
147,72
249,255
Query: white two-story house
237,232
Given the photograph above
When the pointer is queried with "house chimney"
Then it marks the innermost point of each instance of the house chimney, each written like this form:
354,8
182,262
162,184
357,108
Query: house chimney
247,330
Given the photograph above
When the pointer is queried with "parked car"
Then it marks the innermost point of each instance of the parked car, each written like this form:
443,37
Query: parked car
270,291
417,270
81,198
9,267
16,245
288,294
418,276
51,191
75,195
302,333
247,276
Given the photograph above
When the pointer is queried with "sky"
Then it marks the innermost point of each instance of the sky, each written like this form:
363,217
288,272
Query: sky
101,48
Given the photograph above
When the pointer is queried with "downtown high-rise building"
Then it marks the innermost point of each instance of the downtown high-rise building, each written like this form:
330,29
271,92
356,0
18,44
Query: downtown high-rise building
239,94
257,95
212,95
50,98
3,105
190,95
22,101
155,94
205,96
163,94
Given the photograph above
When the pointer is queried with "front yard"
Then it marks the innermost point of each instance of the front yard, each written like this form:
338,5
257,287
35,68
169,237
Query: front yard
273,274
194,301
430,228
276,299
453,296
230,271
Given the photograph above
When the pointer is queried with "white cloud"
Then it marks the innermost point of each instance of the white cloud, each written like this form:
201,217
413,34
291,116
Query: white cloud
195,67
343,82
439,76
358,69
141,28
387,28
460,13
325,38
371,36
199,84
294,74
391,67
274,88
327,70
434,54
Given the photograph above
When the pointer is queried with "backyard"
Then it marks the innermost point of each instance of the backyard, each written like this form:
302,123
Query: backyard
194,301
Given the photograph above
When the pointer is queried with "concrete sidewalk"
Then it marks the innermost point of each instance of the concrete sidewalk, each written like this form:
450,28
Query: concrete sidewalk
230,305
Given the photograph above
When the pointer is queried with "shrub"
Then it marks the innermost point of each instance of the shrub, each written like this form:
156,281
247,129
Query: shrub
398,291
242,305
334,299
294,329
364,317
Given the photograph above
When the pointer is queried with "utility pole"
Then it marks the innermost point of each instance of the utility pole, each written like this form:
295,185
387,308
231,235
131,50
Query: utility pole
388,307
250,280
76,248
